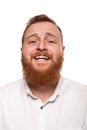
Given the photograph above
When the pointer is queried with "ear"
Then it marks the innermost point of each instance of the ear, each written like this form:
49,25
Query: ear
63,48
21,48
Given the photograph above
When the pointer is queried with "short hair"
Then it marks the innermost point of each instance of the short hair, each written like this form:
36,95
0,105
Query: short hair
41,18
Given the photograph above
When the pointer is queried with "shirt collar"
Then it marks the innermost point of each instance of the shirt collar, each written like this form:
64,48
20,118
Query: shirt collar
28,91
52,98
56,91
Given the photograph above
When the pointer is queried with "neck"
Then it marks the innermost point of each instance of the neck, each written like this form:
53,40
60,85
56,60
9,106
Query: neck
43,92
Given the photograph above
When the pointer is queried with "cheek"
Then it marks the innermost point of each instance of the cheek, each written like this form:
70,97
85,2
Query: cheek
26,50
56,54
26,53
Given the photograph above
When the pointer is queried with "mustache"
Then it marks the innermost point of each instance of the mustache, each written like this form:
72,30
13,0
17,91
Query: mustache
44,53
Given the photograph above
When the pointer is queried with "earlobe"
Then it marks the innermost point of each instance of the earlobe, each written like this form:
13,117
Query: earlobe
63,47
21,48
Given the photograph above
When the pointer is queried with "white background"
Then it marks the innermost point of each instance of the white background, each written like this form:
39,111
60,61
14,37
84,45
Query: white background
70,15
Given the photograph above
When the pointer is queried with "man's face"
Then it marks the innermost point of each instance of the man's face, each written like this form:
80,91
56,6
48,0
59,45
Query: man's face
42,46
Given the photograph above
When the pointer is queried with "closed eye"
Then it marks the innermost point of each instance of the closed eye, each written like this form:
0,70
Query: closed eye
32,41
51,41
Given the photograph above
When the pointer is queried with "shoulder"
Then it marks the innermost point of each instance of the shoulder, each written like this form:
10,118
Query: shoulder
14,87
74,87
13,84
73,84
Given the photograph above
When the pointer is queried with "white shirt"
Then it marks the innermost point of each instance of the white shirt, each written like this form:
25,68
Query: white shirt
65,110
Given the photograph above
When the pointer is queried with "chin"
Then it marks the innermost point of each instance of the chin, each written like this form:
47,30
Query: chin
41,66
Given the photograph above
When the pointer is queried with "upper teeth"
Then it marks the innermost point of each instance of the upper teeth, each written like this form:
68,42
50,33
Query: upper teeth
41,57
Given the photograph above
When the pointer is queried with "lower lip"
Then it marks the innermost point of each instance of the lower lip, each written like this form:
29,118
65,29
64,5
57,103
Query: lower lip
41,60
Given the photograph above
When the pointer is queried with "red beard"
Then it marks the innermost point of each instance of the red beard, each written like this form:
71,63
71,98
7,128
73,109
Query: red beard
37,78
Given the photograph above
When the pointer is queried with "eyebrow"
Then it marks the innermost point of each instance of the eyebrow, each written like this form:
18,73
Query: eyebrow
36,35
32,35
50,34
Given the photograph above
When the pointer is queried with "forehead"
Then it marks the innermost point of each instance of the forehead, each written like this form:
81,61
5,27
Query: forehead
41,28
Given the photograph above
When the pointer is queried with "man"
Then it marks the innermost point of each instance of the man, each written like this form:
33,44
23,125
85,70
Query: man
43,99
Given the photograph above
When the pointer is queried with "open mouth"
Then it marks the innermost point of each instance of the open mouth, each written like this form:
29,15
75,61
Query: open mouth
41,58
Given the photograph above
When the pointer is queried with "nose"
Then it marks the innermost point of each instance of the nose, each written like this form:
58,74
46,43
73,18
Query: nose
42,46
